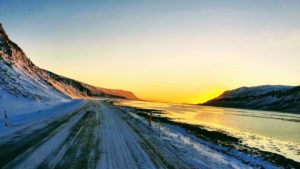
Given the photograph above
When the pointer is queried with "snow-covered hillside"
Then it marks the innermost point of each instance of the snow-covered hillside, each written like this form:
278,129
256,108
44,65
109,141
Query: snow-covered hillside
22,82
267,97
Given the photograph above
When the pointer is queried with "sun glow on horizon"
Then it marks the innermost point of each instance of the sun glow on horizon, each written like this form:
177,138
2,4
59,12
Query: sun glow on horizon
171,51
207,95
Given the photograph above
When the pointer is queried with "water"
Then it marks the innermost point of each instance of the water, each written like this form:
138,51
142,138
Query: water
269,131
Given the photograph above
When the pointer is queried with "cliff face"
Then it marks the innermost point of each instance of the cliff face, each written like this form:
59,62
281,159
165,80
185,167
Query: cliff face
22,78
268,97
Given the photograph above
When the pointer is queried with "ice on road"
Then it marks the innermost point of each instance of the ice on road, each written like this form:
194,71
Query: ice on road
99,134
120,148
94,136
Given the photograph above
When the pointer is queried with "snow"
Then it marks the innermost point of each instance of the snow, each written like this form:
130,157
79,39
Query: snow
120,147
20,83
33,112
118,139
266,97
253,91
25,87
194,152
52,143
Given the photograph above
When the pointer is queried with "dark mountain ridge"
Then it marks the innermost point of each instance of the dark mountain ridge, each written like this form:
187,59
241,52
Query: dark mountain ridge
267,97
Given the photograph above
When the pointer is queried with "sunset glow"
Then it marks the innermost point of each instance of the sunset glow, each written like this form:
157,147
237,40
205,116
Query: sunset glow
184,51
146,84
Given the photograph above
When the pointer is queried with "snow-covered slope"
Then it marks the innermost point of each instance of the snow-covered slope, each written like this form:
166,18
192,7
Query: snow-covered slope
76,89
22,80
19,77
267,97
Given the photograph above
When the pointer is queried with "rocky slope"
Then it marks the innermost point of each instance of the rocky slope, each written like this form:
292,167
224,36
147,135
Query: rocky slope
268,97
21,78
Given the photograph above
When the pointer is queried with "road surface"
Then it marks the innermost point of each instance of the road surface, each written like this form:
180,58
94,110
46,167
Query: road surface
101,135
93,136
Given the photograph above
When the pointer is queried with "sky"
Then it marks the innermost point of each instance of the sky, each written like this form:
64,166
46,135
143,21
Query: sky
165,50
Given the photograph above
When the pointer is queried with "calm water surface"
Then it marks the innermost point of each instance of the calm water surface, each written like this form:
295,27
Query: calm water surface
269,131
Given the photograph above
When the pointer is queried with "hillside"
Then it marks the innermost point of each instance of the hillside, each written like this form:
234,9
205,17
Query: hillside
267,97
21,79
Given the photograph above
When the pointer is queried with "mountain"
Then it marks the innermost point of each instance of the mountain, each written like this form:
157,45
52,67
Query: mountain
267,97
21,79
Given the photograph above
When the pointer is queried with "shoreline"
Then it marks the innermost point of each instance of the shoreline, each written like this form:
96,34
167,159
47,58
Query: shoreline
226,143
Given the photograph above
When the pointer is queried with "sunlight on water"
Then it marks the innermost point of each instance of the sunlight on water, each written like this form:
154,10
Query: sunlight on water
269,131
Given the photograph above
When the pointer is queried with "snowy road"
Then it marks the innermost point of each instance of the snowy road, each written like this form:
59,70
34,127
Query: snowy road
94,136
100,135
120,148
66,142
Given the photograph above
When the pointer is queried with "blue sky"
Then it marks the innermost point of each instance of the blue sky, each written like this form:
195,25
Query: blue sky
184,50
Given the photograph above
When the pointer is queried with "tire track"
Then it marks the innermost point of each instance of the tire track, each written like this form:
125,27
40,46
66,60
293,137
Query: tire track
29,137
120,146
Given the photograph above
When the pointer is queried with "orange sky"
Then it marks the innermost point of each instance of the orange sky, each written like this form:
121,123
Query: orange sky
175,51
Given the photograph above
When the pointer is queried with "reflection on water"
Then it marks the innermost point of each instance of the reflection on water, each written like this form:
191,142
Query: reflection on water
269,131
